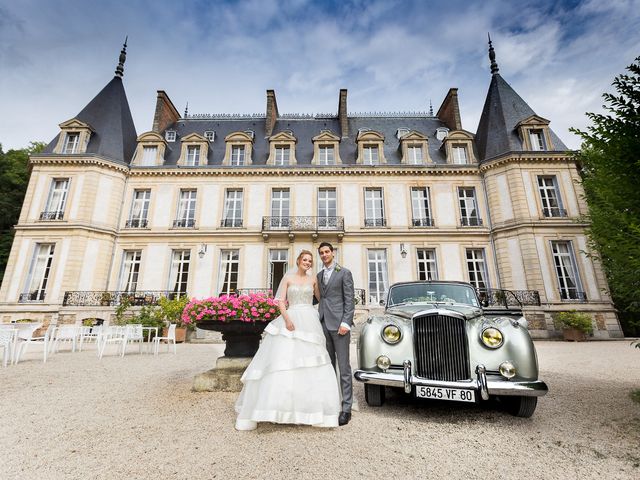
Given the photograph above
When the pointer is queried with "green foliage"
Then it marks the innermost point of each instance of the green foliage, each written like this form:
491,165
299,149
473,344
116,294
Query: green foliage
610,160
151,315
573,319
171,310
14,178
635,395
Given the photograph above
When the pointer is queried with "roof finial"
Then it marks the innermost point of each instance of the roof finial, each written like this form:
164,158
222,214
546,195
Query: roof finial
123,57
492,57
186,110
430,108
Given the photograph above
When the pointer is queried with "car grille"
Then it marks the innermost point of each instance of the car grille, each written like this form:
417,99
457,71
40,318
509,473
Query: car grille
440,345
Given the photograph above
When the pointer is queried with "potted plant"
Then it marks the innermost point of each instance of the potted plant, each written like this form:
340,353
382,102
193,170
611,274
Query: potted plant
241,319
170,311
575,326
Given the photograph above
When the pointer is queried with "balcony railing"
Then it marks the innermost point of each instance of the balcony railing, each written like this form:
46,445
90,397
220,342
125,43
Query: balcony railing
471,221
184,223
53,215
302,224
422,222
573,296
554,212
249,291
136,223
37,296
491,297
375,222
231,223
97,298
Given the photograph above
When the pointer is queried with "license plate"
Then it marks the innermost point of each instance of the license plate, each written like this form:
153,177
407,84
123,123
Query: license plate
441,393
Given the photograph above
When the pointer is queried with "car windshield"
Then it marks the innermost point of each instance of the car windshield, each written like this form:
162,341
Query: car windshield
430,293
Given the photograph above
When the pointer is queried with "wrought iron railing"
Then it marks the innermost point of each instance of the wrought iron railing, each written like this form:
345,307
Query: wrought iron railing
52,215
136,223
573,296
422,222
360,296
471,221
249,291
114,298
375,222
302,224
492,297
184,223
37,296
231,223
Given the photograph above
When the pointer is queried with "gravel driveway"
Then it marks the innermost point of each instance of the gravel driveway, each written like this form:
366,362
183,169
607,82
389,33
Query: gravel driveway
135,417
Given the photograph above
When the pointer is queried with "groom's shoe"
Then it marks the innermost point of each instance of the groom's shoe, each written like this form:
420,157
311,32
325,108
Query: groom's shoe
344,418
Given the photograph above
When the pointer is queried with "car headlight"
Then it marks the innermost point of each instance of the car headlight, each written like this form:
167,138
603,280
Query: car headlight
507,370
391,334
383,362
492,337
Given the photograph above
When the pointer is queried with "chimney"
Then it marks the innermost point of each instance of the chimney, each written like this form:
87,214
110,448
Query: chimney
449,111
342,113
166,113
272,112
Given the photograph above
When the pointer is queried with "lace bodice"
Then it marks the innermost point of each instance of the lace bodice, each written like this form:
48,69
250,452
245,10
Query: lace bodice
300,294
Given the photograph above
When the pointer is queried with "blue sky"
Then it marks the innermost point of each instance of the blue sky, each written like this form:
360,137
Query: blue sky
391,56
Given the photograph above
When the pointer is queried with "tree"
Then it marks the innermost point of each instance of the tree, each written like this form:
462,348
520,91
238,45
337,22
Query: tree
14,178
610,161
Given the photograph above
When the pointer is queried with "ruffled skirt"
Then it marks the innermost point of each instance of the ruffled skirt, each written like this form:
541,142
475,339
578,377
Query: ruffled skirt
290,379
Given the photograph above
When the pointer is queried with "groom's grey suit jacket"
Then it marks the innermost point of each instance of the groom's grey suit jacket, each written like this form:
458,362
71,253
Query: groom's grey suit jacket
336,299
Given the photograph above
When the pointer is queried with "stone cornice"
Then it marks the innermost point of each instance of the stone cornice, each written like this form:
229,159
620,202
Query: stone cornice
77,159
526,157
552,225
49,227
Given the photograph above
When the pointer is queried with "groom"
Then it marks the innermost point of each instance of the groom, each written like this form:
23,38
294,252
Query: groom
336,310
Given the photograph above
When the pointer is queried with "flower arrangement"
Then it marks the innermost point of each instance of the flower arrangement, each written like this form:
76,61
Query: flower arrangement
255,307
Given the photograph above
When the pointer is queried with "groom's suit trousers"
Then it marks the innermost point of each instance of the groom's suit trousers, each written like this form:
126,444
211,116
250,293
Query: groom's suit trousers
338,348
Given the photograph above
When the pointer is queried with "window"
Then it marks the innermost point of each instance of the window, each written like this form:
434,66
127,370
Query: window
442,133
280,208
139,209
401,132
326,155
71,142
378,279
130,270
414,155
228,279
469,215
170,136
179,273
282,155
459,154
210,135
278,264
550,196
327,208
536,138
420,207
427,269
567,271
477,269
232,208
54,210
193,155
373,208
371,156
237,155
185,217
149,155
39,271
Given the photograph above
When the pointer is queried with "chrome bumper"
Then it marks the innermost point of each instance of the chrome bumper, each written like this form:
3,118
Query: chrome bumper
482,384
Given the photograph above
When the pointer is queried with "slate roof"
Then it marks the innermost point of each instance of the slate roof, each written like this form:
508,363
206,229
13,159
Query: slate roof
503,110
304,129
109,115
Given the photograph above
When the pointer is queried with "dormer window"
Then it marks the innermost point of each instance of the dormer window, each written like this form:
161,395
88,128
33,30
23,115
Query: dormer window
401,132
370,148
149,156
458,147
150,150
74,137
170,135
535,134
194,150
414,148
460,156
283,152
251,133
441,133
326,149
414,155
536,138
237,155
210,135
239,146
282,149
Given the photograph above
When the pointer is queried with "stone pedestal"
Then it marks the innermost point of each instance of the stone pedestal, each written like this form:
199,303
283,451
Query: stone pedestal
224,378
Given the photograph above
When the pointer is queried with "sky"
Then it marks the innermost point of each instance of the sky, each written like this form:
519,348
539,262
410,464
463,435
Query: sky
221,56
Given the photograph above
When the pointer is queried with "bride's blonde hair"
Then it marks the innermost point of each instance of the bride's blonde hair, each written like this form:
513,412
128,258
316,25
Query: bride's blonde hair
303,253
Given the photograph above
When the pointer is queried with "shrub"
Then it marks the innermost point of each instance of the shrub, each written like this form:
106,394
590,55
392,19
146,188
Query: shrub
573,319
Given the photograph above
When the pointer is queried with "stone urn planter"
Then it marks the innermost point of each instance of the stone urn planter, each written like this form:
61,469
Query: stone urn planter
573,335
242,339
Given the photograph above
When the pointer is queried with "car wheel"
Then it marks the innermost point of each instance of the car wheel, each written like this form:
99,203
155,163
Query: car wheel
374,394
520,406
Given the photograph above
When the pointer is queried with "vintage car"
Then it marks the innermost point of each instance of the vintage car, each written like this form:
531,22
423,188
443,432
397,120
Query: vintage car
435,340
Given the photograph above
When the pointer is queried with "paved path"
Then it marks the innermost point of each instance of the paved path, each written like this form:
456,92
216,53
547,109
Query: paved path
136,418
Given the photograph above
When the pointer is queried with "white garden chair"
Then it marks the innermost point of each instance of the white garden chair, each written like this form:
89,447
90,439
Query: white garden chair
89,334
108,335
133,333
44,340
171,337
24,336
7,343
66,333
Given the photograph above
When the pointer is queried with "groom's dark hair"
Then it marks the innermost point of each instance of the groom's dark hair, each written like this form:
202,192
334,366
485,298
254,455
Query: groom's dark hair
325,244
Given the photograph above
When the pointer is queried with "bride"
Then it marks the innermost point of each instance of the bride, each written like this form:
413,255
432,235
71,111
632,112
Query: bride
290,379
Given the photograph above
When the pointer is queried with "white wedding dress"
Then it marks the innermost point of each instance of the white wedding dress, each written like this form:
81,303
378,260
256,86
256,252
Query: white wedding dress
290,379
